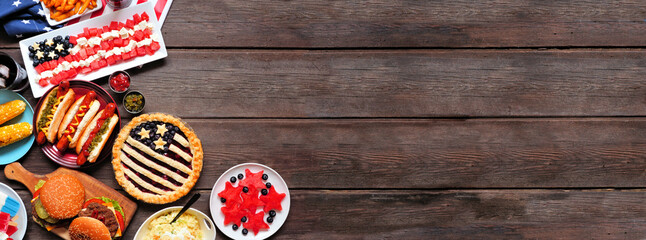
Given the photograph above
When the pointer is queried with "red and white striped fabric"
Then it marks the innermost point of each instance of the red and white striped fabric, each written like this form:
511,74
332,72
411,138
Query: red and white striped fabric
161,10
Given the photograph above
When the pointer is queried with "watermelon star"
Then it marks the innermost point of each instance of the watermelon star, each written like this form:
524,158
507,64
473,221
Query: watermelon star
231,194
256,223
233,214
253,180
250,201
272,200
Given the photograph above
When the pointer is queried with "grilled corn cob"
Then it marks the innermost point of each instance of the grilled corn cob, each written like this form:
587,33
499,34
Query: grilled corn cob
11,109
13,133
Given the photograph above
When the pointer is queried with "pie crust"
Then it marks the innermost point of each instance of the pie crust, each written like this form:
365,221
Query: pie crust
156,196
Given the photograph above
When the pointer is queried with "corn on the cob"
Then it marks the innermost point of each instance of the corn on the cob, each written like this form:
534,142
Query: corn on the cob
11,109
13,133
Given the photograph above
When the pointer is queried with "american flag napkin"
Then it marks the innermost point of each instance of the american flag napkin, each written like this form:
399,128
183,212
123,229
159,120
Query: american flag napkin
22,18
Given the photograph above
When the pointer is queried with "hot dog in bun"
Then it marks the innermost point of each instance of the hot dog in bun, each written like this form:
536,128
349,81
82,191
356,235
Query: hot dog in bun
96,134
52,110
76,119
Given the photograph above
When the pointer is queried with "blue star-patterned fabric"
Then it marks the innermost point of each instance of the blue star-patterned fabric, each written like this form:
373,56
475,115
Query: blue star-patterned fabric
22,18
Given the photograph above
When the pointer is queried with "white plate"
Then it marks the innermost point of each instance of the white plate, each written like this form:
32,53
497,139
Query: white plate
22,213
205,223
275,180
52,22
119,16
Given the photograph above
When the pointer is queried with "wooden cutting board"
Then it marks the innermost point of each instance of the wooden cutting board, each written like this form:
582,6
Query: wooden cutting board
93,188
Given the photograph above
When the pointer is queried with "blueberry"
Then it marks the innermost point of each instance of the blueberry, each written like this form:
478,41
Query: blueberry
245,231
35,64
31,49
69,45
56,57
240,176
223,200
268,184
243,219
235,227
270,219
265,177
133,134
272,213
264,191
58,38
233,179
245,189
67,38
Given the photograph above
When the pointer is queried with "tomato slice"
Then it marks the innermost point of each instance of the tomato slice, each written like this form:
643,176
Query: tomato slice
122,224
96,200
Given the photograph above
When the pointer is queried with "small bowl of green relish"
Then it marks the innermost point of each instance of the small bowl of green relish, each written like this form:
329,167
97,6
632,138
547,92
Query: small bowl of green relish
134,102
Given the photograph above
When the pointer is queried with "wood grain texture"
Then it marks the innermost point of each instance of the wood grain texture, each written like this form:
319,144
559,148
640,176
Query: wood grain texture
410,23
404,154
394,83
470,214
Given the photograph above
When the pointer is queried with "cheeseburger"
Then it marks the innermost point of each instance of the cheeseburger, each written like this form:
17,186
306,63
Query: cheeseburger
57,200
87,228
106,211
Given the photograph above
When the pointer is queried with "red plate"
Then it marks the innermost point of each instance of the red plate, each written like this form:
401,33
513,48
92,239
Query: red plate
68,158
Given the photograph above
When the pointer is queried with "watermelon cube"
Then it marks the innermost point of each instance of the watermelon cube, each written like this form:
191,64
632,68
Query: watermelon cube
130,24
105,46
86,70
95,65
106,29
144,16
114,25
39,68
139,35
103,63
73,40
136,18
69,58
154,46
110,60
149,51
43,82
141,51
93,32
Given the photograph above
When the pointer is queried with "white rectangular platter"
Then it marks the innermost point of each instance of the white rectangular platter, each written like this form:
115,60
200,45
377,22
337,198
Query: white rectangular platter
119,16
52,22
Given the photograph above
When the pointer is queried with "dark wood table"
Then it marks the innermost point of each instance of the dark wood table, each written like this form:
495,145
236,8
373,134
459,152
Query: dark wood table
412,119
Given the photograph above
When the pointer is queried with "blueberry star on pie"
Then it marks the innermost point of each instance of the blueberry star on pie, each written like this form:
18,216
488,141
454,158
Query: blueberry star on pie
144,133
161,129
159,144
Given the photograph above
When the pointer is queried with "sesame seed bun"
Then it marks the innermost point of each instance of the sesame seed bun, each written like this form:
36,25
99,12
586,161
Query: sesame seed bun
62,196
87,228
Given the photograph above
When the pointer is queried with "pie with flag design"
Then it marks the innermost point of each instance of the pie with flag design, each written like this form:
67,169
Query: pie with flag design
157,168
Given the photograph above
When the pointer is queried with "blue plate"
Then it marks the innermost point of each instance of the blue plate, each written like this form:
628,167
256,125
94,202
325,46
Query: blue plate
15,151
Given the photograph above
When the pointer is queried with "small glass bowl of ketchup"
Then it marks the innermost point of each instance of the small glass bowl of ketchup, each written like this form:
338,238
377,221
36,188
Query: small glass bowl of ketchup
119,81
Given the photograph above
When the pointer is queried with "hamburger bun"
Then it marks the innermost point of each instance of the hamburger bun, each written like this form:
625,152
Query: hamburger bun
62,196
87,228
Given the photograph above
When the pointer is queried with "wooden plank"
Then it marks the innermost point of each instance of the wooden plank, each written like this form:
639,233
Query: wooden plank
402,154
410,23
469,214
416,83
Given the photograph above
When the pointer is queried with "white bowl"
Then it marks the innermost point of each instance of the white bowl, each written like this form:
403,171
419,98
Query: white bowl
207,226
